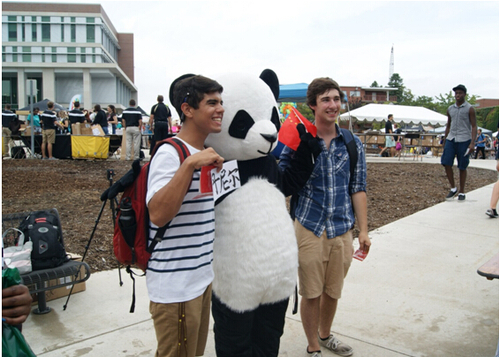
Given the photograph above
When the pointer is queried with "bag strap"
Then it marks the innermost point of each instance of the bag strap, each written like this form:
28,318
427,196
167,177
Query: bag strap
183,153
20,241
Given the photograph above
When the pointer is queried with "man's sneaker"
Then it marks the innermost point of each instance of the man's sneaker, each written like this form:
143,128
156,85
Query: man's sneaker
490,212
461,197
314,354
336,346
451,194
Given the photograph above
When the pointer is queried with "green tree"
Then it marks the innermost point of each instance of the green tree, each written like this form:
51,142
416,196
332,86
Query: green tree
445,101
375,85
397,82
305,110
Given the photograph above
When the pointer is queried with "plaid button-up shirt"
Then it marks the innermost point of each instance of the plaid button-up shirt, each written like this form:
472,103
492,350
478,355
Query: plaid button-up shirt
324,202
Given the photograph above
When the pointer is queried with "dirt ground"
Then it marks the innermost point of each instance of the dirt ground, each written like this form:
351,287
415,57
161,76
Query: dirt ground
74,187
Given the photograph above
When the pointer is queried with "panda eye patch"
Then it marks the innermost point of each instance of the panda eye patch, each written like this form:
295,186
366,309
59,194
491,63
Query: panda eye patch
241,124
275,119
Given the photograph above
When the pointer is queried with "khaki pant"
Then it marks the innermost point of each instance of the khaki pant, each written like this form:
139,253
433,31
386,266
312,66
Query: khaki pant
323,263
133,136
6,138
182,328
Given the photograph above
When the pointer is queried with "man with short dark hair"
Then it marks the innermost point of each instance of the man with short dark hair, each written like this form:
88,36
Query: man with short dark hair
7,118
49,123
179,272
160,120
132,122
460,130
389,140
76,115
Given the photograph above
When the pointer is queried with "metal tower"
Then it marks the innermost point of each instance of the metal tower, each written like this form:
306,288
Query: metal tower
392,64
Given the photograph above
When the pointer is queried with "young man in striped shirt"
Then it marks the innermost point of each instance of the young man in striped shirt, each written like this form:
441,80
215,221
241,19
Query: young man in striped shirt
179,273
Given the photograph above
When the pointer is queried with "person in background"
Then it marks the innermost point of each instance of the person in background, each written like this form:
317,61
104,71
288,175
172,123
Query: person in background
76,115
112,118
132,122
494,198
100,118
389,140
161,120
459,134
64,121
480,144
7,118
49,122
36,121
327,209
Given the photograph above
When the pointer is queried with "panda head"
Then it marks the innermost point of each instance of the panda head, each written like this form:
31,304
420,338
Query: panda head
251,119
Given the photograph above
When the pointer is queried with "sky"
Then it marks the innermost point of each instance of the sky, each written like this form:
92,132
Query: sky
437,45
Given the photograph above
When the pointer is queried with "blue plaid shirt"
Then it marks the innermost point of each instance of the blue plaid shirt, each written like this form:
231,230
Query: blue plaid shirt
324,202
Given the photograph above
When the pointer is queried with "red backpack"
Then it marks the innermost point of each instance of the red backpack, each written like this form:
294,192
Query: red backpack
131,231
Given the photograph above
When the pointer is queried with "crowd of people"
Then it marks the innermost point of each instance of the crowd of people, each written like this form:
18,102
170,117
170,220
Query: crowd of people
50,123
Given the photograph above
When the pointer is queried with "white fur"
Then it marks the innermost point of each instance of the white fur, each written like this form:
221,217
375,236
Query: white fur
255,255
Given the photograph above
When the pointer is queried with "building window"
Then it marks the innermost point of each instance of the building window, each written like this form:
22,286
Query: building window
45,18
26,54
9,91
62,33
23,35
12,32
90,33
73,33
90,20
33,32
14,53
54,54
45,32
354,93
12,18
71,54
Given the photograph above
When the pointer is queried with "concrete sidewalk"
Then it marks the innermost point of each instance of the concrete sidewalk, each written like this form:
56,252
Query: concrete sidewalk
417,294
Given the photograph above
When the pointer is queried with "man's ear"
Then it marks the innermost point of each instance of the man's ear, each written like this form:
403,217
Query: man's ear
186,109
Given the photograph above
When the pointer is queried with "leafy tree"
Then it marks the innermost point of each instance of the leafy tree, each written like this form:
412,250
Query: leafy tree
445,101
305,110
397,82
375,85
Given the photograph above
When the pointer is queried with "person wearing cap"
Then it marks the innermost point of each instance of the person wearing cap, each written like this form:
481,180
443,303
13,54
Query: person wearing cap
7,118
461,129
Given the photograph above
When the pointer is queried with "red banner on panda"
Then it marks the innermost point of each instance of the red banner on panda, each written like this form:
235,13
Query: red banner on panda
288,135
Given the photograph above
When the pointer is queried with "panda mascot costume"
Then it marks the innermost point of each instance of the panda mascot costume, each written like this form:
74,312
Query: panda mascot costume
255,254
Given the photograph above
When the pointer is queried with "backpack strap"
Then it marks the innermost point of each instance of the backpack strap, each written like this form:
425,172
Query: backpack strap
354,158
351,148
183,153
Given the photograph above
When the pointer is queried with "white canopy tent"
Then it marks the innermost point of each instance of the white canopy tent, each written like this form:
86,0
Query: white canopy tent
484,131
402,114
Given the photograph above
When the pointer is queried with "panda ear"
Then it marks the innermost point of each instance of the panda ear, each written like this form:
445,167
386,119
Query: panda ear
269,77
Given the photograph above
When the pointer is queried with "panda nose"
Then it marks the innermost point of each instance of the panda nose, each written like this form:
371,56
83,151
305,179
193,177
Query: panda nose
271,138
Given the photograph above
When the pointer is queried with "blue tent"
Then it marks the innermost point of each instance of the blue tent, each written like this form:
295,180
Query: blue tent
293,92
